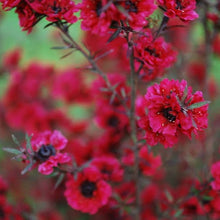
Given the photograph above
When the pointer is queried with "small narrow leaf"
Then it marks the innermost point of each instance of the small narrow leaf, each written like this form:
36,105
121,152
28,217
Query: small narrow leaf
185,94
66,55
59,180
123,93
178,213
27,168
112,98
60,47
169,196
28,142
114,35
48,25
12,150
198,105
102,89
15,140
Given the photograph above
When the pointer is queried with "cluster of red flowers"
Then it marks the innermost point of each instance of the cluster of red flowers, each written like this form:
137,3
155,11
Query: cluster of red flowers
105,160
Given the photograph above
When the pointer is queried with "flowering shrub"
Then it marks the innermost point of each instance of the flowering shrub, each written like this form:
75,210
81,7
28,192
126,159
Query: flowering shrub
109,133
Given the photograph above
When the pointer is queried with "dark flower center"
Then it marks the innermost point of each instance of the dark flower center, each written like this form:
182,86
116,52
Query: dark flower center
179,5
87,188
45,152
2,213
98,8
168,115
191,208
152,52
113,121
131,6
105,170
55,8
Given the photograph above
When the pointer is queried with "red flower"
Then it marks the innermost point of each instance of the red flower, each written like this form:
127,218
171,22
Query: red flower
154,55
47,147
12,58
70,86
184,9
93,16
109,167
172,109
55,10
88,192
148,163
111,118
27,16
9,4
215,170
98,15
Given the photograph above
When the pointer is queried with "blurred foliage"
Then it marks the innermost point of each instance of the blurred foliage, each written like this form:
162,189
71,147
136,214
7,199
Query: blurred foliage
37,44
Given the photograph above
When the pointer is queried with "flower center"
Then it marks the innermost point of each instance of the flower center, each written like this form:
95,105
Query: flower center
179,5
131,6
113,121
55,8
45,152
152,52
87,188
98,8
168,115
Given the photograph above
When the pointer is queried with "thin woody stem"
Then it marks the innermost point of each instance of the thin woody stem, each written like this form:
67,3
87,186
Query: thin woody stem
134,133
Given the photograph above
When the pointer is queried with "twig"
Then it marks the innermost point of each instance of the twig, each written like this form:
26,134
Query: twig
134,132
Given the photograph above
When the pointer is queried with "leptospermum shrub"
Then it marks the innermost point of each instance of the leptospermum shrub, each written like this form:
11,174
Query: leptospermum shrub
144,148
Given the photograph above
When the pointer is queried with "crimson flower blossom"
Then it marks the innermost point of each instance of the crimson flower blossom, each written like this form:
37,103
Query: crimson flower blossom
154,54
109,167
98,15
9,4
47,146
172,109
88,191
148,163
215,170
55,10
184,9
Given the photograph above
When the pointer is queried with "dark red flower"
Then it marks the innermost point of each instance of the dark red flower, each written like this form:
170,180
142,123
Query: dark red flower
148,163
184,9
155,56
98,15
12,58
55,10
173,109
109,167
88,191
70,86
9,4
27,16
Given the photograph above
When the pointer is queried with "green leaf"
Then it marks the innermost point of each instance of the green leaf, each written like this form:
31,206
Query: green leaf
27,168
207,198
185,94
12,150
198,105
15,140
169,196
28,142
59,48
114,35
178,213
59,180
